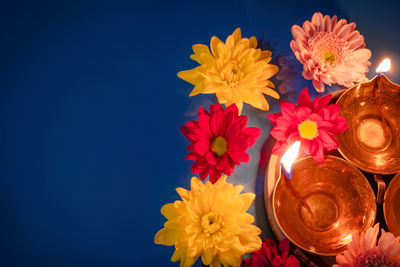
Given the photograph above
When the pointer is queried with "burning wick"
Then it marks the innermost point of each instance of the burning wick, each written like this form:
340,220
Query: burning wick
384,67
286,165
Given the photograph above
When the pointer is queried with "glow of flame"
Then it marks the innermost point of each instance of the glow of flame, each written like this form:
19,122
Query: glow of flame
347,239
384,66
289,157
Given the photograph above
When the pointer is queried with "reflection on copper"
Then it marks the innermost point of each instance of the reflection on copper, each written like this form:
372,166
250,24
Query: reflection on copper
391,205
340,198
372,110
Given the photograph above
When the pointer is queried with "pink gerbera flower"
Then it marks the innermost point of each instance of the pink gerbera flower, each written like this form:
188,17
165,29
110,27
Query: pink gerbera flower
363,251
331,51
271,256
219,141
314,123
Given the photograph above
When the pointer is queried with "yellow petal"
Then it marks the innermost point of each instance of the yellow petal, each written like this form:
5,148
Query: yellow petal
248,199
270,92
201,53
265,55
230,258
183,193
192,76
239,106
207,257
196,184
214,45
169,211
237,35
198,89
178,254
167,237
270,70
253,42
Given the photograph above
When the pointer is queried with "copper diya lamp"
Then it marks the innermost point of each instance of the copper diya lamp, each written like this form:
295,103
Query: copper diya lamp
333,200
372,110
391,205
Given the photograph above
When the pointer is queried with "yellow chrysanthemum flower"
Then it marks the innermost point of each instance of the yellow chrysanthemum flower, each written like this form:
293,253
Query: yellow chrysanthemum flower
236,71
210,222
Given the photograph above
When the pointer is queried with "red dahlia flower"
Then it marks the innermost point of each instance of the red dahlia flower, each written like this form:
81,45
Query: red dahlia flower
219,140
270,256
314,123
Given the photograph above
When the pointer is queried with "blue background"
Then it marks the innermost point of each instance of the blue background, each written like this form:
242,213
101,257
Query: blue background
90,107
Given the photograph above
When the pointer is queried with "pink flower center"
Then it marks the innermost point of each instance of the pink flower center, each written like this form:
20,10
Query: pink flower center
374,259
218,146
308,129
328,48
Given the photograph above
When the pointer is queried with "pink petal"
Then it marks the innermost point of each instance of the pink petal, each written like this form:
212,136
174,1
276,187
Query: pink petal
318,85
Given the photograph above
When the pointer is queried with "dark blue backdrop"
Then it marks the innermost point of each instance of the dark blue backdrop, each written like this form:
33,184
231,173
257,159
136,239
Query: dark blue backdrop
90,107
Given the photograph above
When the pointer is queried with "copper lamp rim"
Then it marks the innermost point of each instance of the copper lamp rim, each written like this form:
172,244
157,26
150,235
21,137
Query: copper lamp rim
277,219
359,166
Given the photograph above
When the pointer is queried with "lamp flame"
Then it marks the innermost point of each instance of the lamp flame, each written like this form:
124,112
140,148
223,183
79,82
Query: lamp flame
384,66
289,157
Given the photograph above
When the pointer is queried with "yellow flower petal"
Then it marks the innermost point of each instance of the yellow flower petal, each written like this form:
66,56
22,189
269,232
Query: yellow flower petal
210,223
237,35
247,200
178,254
253,42
169,211
236,71
167,237
207,257
201,54
192,76
183,193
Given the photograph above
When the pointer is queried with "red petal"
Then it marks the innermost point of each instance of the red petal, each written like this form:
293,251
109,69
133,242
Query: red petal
280,147
303,113
329,142
192,156
203,175
321,103
274,116
204,123
211,159
304,98
319,153
217,124
202,147
284,245
214,175
232,108
287,108
238,157
199,166
223,163
292,262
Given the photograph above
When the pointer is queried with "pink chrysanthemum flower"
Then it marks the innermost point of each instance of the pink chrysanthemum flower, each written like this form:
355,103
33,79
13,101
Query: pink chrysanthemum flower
314,123
331,51
363,251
